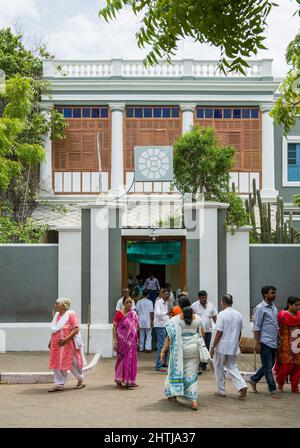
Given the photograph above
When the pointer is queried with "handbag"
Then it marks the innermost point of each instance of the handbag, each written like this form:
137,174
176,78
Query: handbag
203,352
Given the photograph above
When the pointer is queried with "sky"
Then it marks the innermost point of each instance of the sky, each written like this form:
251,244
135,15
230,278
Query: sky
72,30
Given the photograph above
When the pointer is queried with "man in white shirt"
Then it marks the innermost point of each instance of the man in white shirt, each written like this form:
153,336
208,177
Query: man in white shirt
161,317
226,346
125,294
144,308
208,313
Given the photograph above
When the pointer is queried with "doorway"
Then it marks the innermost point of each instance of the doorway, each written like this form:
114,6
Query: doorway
170,266
158,271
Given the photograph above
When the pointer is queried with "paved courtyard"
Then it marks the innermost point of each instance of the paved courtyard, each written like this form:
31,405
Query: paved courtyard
102,405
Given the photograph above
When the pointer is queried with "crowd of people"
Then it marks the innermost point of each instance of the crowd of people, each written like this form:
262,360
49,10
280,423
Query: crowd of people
178,330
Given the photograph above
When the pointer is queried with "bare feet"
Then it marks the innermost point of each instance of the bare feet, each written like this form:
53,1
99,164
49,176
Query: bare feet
243,393
253,385
194,405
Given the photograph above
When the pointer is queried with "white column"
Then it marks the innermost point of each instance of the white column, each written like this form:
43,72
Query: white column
201,223
268,192
99,265
69,266
117,166
46,165
238,274
187,116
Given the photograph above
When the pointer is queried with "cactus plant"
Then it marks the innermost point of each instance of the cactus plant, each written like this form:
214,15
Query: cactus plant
284,232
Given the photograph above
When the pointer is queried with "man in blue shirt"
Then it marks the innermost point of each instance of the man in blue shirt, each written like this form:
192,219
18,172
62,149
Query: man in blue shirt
266,329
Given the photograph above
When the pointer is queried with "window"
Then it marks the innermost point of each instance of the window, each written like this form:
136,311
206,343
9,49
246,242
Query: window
95,113
227,113
217,113
209,113
246,113
157,113
291,161
76,113
67,113
200,113
152,112
138,113
84,112
236,113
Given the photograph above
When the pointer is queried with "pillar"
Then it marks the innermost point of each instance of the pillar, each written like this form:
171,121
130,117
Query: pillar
117,165
268,192
187,116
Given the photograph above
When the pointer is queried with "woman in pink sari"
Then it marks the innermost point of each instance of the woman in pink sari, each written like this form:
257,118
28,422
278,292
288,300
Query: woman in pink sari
66,347
125,344
288,355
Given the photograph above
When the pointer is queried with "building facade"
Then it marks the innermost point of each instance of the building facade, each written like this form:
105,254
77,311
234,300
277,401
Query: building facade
122,105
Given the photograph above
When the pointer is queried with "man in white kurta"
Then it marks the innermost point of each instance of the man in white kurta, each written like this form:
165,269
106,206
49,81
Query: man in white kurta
226,346
144,308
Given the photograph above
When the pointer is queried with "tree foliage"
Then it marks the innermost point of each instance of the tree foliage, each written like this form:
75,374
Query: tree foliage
202,165
287,108
23,124
236,27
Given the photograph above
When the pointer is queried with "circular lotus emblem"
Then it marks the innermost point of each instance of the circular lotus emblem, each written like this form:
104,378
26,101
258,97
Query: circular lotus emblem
153,163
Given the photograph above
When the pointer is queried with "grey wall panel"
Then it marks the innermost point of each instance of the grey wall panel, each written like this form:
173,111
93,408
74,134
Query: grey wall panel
28,282
222,248
85,264
115,267
192,267
277,266
285,192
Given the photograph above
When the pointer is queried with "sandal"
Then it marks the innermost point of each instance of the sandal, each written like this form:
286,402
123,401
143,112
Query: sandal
172,398
243,393
56,389
218,394
80,386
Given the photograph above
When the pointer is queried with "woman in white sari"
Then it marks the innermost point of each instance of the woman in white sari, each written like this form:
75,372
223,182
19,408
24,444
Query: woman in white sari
183,331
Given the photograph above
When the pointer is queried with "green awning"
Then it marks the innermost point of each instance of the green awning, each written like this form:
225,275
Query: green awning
154,252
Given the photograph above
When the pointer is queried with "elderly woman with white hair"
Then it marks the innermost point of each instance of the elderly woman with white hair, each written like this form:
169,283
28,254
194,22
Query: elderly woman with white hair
66,347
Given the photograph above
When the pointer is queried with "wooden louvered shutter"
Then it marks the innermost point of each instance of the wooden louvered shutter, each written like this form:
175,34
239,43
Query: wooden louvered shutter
89,151
234,139
74,146
59,155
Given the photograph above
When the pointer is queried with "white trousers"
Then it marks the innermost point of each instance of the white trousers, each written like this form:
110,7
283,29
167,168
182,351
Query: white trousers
145,339
61,376
229,362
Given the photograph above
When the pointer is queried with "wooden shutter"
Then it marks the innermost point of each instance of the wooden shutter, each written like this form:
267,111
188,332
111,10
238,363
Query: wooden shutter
245,135
146,132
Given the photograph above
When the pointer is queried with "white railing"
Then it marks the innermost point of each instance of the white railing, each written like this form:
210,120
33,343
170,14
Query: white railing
118,68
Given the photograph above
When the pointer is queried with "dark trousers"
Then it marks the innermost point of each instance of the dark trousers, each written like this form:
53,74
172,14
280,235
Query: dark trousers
153,295
207,339
267,356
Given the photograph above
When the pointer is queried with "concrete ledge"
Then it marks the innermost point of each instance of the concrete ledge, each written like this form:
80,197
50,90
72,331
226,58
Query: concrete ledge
41,377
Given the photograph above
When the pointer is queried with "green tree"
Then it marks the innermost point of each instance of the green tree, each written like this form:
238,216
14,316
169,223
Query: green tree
23,125
287,108
237,27
202,165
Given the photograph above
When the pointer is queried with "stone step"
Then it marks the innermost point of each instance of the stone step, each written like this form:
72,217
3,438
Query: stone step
41,377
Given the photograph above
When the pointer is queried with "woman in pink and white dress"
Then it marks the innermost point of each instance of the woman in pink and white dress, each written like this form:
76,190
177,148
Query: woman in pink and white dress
66,347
